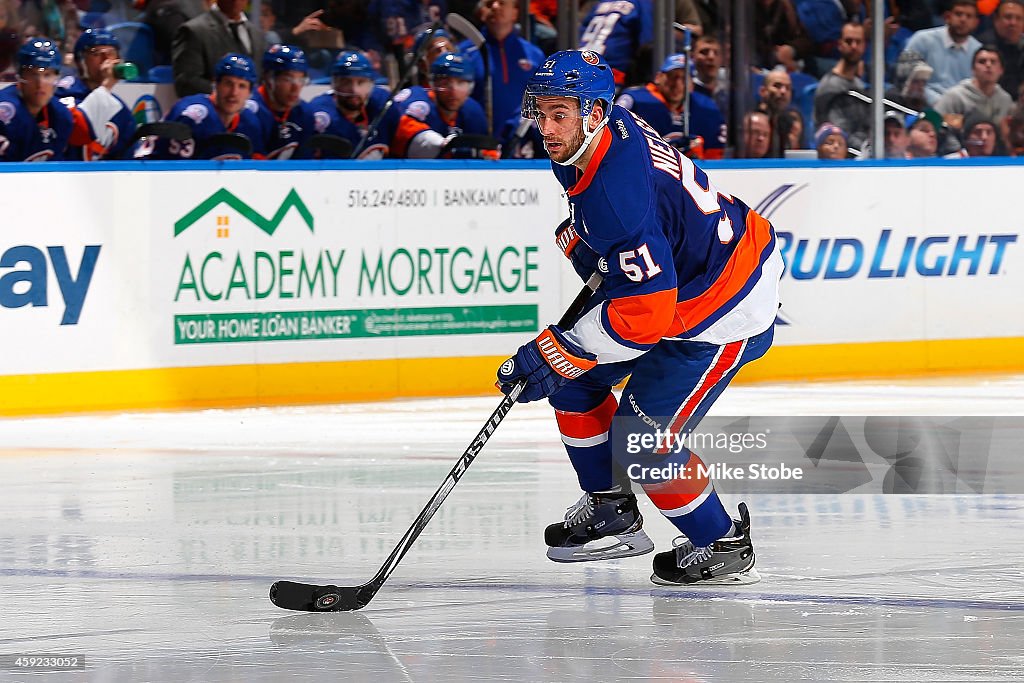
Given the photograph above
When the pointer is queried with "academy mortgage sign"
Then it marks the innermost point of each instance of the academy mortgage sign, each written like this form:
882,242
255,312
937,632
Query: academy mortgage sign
292,274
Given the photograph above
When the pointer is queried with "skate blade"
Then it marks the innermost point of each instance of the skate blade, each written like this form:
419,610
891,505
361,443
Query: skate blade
744,578
609,548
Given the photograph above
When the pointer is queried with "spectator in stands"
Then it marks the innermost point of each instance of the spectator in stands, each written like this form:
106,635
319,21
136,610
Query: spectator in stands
35,125
210,116
830,141
10,40
777,26
948,49
200,43
352,104
1015,134
710,79
687,14
1007,34
923,135
426,128
832,102
789,126
270,26
397,22
286,119
623,33
165,17
757,136
896,137
97,50
544,22
981,138
980,95
912,74
512,61
661,104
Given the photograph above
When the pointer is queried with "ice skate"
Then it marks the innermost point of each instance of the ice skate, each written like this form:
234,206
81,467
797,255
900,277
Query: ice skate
600,526
727,561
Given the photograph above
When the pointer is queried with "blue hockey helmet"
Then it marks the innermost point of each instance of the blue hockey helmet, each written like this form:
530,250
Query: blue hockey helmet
352,64
39,53
582,74
421,37
452,65
95,37
285,58
237,65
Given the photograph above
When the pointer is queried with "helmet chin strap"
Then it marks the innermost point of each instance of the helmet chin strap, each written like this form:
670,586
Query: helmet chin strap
587,137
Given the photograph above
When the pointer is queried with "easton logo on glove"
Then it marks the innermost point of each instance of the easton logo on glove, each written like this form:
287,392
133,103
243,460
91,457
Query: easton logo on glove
561,361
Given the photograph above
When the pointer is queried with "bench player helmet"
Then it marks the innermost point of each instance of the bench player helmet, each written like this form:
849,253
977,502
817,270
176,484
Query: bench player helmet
582,74
452,65
284,58
95,37
39,53
352,64
236,65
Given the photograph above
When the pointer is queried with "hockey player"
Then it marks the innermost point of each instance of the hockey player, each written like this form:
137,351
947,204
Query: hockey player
34,126
689,296
97,51
287,120
426,127
352,104
662,103
227,110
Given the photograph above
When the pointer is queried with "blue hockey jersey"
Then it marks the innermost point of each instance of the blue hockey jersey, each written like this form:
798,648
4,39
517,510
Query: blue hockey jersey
71,91
199,114
24,137
328,119
286,131
616,30
705,118
681,258
420,116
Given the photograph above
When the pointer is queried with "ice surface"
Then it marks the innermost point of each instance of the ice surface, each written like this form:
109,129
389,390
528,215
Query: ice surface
147,544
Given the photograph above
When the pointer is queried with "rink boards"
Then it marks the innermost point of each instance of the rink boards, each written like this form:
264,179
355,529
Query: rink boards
131,286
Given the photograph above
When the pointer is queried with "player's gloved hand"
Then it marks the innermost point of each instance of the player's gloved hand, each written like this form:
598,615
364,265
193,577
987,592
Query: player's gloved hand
546,363
584,259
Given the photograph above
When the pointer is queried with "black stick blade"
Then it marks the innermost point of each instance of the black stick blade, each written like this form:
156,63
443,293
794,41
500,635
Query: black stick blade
306,597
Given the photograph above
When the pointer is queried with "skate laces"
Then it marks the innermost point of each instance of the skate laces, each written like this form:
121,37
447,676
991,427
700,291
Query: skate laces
583,508
687,553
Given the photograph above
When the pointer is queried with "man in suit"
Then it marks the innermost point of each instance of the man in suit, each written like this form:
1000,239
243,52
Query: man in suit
201,42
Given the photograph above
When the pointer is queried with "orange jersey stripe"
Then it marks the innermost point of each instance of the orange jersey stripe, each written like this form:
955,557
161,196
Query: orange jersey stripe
738,269
591,423
675,493
603,144
408,128
644,318
80,132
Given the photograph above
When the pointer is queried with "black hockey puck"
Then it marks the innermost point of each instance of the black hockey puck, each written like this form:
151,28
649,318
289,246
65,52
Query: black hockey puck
326,598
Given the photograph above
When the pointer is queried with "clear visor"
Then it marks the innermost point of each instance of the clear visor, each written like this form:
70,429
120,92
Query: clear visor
33,74
456,86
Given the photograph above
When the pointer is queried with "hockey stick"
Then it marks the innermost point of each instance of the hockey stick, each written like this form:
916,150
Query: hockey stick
459,23
330,598
403,82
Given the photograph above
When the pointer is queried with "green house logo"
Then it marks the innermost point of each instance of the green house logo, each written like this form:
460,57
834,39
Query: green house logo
267,225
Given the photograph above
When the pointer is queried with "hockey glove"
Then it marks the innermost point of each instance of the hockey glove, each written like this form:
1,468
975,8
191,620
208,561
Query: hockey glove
546,363
584,259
